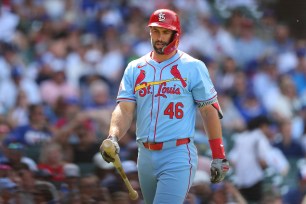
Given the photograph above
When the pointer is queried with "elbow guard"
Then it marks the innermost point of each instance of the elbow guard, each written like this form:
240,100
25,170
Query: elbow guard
218,108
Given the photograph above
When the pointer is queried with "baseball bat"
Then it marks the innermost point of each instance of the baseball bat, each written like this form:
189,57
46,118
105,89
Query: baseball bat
110,149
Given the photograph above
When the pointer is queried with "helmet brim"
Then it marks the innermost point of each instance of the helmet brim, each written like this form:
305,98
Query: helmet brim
163,25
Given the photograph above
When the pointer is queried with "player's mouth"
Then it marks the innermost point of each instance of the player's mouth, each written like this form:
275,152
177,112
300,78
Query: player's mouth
160,44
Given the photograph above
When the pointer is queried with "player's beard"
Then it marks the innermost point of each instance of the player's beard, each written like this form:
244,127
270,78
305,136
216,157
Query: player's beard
159,50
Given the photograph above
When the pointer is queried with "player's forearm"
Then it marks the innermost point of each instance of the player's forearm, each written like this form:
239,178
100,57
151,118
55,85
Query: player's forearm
213,130
211,122
121,121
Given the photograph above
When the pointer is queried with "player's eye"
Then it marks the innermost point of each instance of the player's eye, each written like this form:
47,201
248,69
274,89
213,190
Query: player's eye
167,32
155,31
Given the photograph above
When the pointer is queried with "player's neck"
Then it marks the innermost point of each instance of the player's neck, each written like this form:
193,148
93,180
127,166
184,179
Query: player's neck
161,58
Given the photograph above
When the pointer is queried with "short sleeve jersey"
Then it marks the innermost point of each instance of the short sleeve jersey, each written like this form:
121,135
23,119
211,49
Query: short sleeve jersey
166,95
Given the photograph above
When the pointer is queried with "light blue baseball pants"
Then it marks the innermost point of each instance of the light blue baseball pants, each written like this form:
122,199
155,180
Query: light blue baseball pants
166,175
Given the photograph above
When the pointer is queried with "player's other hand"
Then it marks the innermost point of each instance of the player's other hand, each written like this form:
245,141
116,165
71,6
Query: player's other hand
107,157
218,170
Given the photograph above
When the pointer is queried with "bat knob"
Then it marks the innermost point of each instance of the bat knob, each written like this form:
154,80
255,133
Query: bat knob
133,195
108,146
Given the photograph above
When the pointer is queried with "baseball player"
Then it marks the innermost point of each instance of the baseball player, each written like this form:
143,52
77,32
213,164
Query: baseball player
165,88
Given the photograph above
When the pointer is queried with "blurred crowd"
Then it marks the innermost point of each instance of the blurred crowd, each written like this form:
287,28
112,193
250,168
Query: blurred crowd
61,63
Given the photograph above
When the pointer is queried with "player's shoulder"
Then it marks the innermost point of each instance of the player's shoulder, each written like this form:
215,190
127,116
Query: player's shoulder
191,61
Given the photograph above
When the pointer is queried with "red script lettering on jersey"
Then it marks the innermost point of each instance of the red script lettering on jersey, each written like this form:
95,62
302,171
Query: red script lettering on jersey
163,90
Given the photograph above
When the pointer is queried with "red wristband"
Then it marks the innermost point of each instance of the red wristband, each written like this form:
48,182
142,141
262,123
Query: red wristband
217,148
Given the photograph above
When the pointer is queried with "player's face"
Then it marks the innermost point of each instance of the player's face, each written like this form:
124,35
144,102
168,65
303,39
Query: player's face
160,38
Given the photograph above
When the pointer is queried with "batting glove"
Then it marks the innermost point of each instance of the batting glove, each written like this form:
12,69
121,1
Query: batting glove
108,158
218,170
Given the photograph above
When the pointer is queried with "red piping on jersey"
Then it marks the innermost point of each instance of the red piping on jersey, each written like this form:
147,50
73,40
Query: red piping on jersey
189,170
207,99
153,91
160,76
130,99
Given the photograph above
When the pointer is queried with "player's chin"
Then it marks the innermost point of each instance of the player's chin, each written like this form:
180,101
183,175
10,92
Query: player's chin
159,50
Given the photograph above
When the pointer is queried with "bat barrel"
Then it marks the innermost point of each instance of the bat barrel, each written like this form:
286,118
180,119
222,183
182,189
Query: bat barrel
108,146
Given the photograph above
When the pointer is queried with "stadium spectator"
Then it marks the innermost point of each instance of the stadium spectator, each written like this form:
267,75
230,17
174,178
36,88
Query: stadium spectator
36,131
61,61
52,159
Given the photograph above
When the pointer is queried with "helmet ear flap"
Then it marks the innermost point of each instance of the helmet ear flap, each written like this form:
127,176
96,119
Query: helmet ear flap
172,45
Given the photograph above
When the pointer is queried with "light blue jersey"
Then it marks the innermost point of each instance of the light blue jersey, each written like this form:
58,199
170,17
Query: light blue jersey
166,95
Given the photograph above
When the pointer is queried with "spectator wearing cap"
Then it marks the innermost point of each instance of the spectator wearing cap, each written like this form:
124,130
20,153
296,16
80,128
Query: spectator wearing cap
8,191
103,170
69,188
18,81
34,134
15,156
71,170
200,188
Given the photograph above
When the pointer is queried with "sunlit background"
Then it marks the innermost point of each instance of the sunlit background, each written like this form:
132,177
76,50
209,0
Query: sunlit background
61,62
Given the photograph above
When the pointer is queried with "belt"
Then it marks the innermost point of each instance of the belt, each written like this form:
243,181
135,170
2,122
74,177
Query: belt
160,145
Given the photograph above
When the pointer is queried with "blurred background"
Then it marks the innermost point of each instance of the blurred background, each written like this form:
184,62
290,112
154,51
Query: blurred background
61,63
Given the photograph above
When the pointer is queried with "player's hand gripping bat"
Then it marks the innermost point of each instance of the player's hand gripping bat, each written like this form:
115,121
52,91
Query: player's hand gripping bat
108,146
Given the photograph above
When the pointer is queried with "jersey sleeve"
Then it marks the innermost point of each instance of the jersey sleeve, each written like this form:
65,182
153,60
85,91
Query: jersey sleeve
126,88
203,90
